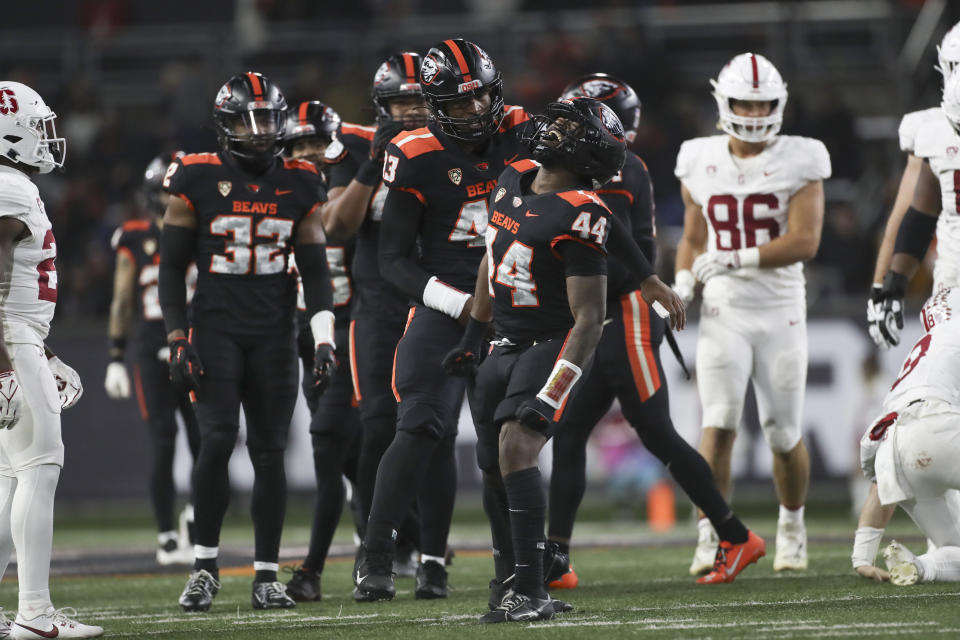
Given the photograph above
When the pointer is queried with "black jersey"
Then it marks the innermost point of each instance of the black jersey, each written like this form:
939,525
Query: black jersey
373,293
629,195
140,241
453,186
339,257
526,238
245,231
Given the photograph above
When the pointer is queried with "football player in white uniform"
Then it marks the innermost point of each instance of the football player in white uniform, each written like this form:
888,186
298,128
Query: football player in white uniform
754,211
910,454
34,384
885,306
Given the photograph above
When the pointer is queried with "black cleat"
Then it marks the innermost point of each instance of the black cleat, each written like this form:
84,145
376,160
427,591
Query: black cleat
199,592
518,607
498,590
431,581
373,576
555,563
271,595
304,585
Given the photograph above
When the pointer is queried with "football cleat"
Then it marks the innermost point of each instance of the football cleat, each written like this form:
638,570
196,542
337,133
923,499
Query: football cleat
569,580
172,552
373,576
199,591
304,584
186,527
57,623
555,563
271,595
4,625
498,590
431,581
791,547
731,559
704,555
518,607
902,564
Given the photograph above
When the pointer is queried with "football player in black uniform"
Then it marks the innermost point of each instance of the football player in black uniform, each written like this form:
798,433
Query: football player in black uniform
334,426
545,277
439,177
137,244
355,207
627,366
239,211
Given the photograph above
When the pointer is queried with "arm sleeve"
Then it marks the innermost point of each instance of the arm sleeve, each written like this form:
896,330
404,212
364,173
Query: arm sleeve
402,212
315,274
642,216
177,245
622,246
581,260
341,173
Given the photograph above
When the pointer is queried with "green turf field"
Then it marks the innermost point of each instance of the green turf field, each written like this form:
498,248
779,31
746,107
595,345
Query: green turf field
624,592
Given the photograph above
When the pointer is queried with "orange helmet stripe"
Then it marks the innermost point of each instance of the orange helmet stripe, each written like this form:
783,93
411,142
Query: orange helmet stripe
408,68
256,84
302,112
461,61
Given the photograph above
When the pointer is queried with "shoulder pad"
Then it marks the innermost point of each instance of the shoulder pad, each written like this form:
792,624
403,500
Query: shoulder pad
417,142
580,198
367,133
687,157
200,158
911,123
512,116
522,166
15,199
303,165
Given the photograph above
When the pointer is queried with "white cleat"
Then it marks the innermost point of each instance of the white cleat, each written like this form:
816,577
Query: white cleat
4,626
706,552
901,563
55,624
174,552
791,547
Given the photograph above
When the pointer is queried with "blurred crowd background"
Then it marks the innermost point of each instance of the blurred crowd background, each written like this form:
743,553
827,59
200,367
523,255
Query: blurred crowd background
132,78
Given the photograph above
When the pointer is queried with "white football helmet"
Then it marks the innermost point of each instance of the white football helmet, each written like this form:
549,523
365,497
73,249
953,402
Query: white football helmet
27,133
948,52
750,77
951,99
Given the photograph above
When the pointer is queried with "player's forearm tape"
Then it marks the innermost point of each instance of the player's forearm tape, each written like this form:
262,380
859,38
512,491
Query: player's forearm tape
915,233
621,246
118,346
564,375
865,546
322,328
315,273
894,285
441,297
749,257
176,251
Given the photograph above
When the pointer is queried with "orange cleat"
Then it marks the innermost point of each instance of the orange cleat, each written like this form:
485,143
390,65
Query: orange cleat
569,580
733,558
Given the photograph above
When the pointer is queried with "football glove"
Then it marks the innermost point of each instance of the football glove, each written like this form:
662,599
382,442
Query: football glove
885,310
68,382
117,382
386,131
324,366
683,283
464,358
10,399
185,366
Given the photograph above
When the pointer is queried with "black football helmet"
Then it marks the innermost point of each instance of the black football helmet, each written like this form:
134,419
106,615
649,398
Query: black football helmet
590,144
396,77
456,69
151,195
614,93
249,114
312,119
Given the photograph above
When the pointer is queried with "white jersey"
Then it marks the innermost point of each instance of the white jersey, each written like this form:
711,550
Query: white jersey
932,369
29,301
912,122
745,202
938,143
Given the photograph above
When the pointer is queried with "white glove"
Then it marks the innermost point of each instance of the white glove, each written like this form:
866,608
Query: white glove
884,317
117,382
163,354
68,382
716,263
10,399
683,284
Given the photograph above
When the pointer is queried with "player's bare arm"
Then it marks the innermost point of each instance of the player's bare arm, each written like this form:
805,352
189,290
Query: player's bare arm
122,303
345,209
692,243
804,225
588,305
925,201
11,230
908,183
873,520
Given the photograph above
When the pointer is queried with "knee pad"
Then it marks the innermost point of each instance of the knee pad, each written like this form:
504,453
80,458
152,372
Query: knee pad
263,459
781,438
218,444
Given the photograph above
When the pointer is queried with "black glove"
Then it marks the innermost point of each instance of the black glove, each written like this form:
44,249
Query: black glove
386,131
185,366
464,358
324,366
536,414
886,316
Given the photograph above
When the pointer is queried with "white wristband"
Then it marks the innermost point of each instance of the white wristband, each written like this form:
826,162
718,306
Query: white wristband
865,546
749,258
564,375
441,297
321,326
684,279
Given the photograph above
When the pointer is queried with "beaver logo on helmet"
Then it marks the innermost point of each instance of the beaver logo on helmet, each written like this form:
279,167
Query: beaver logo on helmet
611,121
222,96
428,70
599,89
